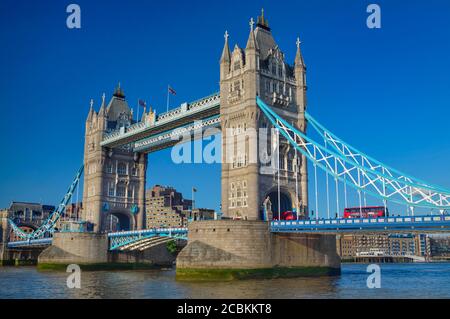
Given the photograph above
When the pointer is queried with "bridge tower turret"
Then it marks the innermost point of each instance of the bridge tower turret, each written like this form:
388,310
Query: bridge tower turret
114,179
300,96
247,180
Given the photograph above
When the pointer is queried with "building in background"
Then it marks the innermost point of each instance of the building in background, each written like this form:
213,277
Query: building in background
358,245
27,216
423,245
439,245
200,214
402,245
166,207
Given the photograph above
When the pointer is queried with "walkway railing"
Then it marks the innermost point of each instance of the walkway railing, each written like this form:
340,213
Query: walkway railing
184,110
30,243
120,240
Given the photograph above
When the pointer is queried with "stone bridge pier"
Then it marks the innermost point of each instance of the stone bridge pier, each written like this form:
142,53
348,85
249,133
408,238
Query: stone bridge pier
238,249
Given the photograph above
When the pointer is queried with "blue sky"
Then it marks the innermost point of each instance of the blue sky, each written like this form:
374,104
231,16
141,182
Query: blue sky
385,91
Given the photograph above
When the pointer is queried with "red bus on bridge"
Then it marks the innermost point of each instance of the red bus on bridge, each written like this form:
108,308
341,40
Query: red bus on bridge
287,215
366,212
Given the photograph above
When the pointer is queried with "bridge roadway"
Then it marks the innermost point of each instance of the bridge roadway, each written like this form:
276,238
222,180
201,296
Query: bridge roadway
146,238
426,223
147,137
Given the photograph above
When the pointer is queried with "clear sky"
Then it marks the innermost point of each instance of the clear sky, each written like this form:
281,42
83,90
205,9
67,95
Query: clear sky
385,91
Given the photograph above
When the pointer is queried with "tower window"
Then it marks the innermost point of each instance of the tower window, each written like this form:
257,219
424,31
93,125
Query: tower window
122,169
111,189
237,65
120,191
237,86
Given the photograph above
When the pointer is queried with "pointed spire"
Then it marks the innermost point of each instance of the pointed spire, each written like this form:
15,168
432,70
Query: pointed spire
119,92
251,43
226,56
298,56
144,113
91,110
262,21
101,112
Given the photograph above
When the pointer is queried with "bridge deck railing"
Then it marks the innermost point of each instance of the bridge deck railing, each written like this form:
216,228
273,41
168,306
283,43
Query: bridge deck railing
381,223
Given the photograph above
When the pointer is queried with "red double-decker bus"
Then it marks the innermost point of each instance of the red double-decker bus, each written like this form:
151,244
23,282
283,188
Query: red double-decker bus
366,212
287,215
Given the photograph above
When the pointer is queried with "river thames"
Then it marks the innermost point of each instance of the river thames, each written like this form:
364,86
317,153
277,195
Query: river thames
428,280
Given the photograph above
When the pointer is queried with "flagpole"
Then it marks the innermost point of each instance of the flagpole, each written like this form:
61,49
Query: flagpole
168,98
137,118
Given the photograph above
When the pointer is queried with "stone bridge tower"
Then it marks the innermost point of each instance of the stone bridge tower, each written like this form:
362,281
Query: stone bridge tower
114,179
260,69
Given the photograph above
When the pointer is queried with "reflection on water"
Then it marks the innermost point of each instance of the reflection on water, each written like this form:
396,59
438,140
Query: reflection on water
397,281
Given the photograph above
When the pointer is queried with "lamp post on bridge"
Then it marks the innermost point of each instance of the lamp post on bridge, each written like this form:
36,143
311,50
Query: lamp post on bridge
194,190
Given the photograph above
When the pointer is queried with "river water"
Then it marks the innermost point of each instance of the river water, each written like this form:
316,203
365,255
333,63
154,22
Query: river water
428,280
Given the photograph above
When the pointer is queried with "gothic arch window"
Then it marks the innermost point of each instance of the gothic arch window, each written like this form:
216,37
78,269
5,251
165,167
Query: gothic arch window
267,85
111,189
121,191
122,169
123,120
282,162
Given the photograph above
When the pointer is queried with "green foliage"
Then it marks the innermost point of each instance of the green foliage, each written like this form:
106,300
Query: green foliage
172,246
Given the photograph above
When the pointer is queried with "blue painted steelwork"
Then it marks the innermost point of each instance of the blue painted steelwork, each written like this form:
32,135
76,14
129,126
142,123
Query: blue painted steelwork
382,224
118,240
354,154
352,171
196,110
48,226
30,243
172,135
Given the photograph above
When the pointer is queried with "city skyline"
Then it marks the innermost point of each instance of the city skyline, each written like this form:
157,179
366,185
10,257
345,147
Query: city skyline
50,91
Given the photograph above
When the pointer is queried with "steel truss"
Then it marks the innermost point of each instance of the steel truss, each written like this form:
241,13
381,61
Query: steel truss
48,226
130,240
358,170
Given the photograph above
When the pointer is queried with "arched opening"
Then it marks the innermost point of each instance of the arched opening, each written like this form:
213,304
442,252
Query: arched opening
285,202
117,222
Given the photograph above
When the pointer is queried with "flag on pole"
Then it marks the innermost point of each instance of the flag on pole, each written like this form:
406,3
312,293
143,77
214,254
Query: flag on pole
194,189
171,90
142,103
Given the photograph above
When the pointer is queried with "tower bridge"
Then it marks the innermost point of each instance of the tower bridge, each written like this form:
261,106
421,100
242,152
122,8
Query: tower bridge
258,89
